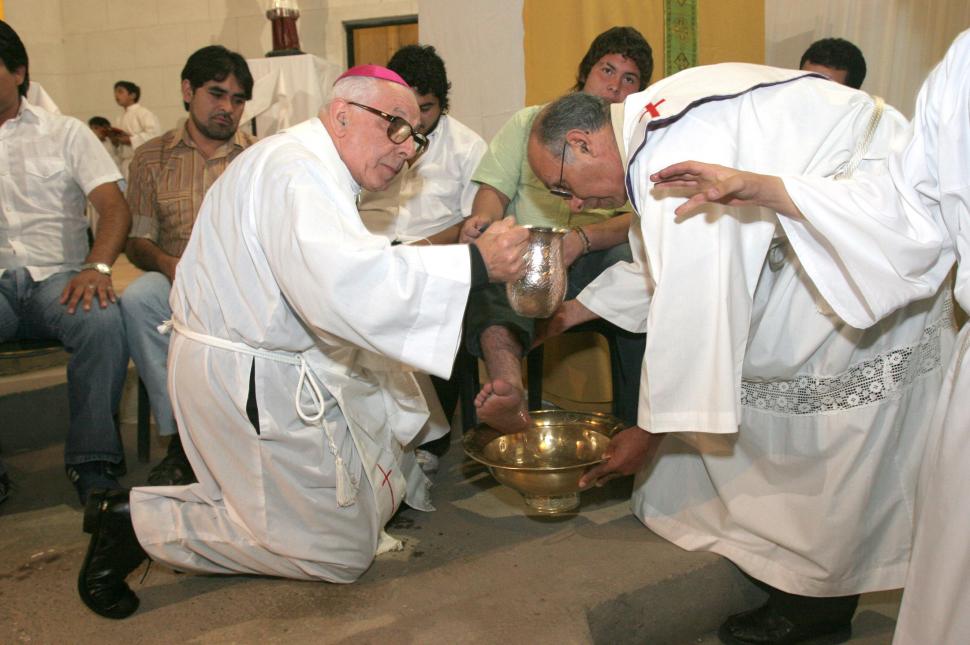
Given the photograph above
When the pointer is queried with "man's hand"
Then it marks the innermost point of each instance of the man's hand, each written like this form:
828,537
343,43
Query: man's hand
569,314
119,137
627,453
710,183
84,287
503,248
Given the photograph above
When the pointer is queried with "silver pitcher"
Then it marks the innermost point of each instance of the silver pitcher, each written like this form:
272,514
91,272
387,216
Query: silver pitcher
542,287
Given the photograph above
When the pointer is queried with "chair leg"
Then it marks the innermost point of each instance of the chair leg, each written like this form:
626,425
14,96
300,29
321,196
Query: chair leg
533,366
144,423
468,387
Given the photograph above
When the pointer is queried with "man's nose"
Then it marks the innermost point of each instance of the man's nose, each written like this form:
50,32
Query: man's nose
576,204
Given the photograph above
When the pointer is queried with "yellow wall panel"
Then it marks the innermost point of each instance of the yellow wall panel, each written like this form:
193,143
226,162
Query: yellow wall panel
731,31
558,33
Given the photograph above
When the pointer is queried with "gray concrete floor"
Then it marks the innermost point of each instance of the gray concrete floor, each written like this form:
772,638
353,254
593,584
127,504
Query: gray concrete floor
478,570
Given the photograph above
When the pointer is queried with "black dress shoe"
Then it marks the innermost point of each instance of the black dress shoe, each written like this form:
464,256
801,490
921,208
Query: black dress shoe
174,469
113,553
767,626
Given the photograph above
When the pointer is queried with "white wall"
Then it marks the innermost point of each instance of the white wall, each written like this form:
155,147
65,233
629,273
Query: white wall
481,44
902,40
79,48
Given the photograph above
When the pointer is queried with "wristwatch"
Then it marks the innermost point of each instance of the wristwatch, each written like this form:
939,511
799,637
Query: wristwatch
100,267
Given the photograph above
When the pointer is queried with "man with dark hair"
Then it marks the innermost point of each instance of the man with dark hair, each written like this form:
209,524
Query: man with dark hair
101,127
625,41
169,177
781,423
136,125
836,59
429,200
619,62
51,284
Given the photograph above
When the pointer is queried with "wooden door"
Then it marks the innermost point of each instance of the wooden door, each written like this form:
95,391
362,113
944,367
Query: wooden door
375,44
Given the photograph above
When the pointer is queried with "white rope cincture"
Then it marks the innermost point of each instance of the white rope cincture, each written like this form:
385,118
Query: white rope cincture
347,488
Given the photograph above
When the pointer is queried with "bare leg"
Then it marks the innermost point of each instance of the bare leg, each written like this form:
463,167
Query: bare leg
501,403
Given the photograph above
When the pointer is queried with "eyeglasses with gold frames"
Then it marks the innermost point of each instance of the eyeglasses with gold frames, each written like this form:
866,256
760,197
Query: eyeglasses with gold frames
398,130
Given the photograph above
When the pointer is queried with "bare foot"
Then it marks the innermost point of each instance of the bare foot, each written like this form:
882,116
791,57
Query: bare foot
502,406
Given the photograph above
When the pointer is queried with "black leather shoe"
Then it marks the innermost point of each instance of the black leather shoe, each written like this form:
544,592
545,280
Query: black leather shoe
113,553
174,469
766,626
92,475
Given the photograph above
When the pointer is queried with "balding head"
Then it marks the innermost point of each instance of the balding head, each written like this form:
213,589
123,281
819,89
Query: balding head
360,136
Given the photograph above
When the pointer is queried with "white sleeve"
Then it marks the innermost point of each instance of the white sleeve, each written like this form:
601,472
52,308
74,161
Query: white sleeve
621,294
874,243
470,188
90,163
403,302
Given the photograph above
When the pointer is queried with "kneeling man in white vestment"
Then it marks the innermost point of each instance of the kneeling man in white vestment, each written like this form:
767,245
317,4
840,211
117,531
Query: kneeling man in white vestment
295,335
792,419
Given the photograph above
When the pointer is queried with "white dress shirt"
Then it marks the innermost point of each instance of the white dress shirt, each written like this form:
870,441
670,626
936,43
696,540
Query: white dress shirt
49,163
433,194
142,124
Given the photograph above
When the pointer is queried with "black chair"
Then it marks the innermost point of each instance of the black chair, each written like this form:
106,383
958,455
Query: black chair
35,350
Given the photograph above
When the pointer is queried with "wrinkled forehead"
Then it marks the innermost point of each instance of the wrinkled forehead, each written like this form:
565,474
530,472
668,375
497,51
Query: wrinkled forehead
397,100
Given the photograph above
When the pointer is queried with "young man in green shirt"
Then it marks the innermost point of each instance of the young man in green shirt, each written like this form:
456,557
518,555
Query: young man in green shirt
618,63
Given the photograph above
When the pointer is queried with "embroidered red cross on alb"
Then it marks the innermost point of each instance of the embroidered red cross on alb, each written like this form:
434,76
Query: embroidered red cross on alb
651,109
387,480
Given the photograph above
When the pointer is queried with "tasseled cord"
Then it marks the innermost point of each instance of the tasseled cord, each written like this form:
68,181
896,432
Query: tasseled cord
346,486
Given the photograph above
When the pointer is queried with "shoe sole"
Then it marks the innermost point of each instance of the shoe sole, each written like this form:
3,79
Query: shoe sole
834,638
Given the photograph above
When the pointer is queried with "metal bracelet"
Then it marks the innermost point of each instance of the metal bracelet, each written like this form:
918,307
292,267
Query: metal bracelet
582,236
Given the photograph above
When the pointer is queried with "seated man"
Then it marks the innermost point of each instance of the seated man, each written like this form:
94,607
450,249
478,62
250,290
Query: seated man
51,284
619,62
428,201
792,424
836,59
168,178
291,324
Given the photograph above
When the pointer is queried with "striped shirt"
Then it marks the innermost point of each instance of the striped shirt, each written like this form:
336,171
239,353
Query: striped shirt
167,181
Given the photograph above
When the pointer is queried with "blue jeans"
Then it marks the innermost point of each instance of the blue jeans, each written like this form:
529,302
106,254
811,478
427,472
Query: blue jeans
145,306
99,357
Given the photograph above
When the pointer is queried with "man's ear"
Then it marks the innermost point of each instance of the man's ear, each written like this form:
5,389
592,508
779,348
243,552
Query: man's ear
187,91
339,115
579,142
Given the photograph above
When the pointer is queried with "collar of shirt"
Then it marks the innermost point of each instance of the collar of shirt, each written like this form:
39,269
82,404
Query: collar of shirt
29,113
182,137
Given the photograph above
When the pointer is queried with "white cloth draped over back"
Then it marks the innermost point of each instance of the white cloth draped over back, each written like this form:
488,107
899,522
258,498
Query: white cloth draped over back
279,261
929,184
788,423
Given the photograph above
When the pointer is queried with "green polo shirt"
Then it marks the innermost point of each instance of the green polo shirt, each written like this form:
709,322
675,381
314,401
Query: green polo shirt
505,167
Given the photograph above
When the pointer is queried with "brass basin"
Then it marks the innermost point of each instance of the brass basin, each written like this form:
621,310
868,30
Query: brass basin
545,462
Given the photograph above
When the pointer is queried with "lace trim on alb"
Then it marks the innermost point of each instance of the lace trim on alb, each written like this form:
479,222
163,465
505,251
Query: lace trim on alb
865,383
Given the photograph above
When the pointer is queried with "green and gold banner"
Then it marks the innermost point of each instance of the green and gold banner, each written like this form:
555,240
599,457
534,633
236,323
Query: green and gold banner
680,35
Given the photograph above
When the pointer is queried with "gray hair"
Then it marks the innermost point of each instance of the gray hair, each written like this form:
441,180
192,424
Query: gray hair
576,111
360,89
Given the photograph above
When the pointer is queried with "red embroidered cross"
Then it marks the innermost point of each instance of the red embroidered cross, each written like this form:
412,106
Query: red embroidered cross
651,109
387,480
